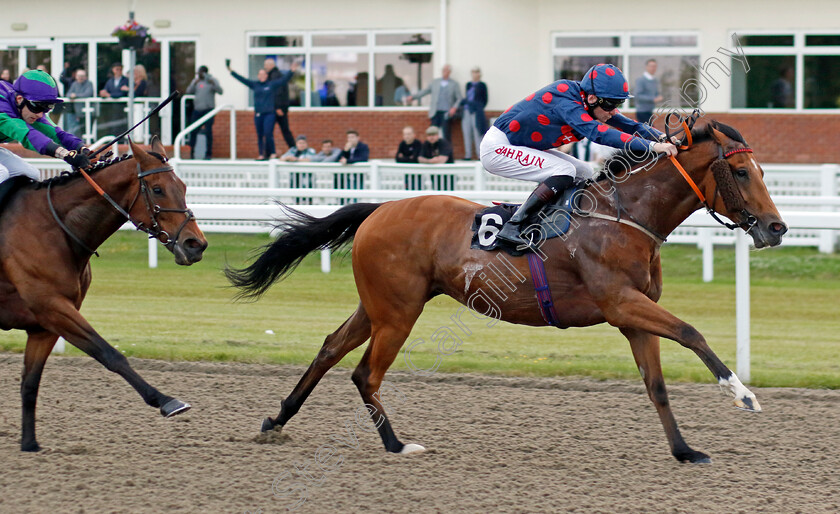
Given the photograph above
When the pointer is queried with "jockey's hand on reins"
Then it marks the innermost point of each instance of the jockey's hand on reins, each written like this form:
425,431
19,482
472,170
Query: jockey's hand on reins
77,159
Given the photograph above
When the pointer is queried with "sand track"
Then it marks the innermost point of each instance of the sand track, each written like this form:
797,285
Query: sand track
496,444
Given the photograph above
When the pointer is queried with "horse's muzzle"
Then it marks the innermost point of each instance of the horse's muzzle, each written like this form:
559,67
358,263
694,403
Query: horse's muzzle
768,234
189,251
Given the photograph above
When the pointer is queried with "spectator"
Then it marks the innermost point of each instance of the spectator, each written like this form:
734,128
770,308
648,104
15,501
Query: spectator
435,150
387,85
74,114
781,90
66,78
6,75
264,113
300,153
446,93
328,153
117,85
354,150
141,83
409,149
327,95
474,121
281,102
647,93
205,87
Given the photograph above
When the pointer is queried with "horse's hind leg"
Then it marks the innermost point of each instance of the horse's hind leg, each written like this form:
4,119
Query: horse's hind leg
351,334
38,348
645,348
383,349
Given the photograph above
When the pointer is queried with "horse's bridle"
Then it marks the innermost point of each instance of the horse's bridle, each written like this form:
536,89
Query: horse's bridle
733,203
152,209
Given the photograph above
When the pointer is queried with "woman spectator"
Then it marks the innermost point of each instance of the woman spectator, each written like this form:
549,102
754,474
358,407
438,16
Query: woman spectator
141,83
264,115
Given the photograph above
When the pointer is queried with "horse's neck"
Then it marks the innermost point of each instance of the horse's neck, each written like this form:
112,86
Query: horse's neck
660,198
88,215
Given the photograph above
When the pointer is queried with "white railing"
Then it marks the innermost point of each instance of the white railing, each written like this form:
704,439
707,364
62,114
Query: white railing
179,139
93,120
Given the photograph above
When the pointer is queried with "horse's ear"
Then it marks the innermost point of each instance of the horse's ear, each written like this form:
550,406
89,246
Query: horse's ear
157,146
719,136
137,151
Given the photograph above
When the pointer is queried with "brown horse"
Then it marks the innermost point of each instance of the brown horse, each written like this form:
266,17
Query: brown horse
48,232
406,252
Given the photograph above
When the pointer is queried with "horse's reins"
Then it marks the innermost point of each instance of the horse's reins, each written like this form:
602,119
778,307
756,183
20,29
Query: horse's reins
153,209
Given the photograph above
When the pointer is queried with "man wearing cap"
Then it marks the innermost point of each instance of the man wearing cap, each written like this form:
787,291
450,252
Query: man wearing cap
300,153
205,87
435,150
23,117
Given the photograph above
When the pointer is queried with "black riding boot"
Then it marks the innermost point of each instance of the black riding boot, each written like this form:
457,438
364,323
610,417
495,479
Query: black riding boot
544,193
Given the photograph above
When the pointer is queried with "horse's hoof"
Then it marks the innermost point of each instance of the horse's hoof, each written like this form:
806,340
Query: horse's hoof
412,448
267,425
694,457
747,404
30,447
174,407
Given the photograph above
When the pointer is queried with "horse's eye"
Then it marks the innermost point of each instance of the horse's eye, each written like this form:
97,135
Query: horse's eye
157,190
742,173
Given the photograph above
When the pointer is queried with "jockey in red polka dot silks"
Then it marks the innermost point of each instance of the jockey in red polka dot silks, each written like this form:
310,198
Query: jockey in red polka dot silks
523,142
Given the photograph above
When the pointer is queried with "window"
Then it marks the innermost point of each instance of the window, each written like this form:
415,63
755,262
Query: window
349,69
788,71
677,56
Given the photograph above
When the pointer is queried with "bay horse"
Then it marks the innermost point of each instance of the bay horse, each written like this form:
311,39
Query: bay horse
406,252
49,231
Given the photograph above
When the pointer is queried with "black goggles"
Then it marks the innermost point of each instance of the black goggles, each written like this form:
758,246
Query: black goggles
38,107
609,104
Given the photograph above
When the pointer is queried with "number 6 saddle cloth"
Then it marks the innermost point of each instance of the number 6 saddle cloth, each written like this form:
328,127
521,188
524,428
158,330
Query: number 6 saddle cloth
553,220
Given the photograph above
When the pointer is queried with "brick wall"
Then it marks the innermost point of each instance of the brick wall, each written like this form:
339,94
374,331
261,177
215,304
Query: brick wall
776,138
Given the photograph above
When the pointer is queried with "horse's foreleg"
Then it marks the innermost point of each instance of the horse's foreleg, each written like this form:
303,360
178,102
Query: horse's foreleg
632,309
380,354
351,334
61,317
645,348
38,347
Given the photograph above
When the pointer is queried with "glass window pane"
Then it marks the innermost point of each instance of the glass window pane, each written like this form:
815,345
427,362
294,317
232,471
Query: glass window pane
660,40
281,41
39,59
281,62
397,77
823,40
339,39
424,38
340,79
770,83
766,40
586,42
822,82
673,73
9,61
573,67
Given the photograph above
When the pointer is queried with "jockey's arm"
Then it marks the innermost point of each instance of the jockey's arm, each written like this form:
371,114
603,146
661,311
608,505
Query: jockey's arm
625,124
603,134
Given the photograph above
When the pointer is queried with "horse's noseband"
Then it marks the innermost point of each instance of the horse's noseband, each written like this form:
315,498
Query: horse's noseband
730,193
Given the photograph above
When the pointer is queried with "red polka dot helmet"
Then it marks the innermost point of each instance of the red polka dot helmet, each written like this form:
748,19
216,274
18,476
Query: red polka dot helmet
606,81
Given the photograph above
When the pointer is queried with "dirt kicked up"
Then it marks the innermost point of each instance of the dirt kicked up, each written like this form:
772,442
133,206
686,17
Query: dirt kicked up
494,445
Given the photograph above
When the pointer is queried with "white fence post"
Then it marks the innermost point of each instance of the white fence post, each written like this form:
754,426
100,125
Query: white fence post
273,180
480,177
153,253
325,260
828,187
60,346
706,244
742,304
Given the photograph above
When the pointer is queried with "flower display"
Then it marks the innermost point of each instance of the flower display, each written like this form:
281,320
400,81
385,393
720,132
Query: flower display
131,29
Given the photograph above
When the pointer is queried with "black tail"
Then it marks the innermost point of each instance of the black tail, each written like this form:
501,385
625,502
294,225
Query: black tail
301,234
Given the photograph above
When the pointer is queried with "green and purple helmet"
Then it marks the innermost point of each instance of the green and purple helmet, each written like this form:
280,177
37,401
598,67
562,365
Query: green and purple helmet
37,86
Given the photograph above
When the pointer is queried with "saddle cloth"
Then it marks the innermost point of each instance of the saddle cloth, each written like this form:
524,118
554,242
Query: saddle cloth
553,221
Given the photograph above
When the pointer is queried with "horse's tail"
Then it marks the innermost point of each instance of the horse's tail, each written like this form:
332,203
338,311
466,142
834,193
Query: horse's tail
301,234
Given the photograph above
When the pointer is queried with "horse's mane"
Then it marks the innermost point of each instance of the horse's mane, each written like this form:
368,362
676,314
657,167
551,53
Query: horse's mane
628,160
69,176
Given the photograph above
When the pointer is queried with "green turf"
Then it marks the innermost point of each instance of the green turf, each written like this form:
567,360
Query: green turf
182,313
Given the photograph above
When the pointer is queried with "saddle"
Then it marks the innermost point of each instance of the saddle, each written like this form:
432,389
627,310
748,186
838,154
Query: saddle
554,220
9,188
